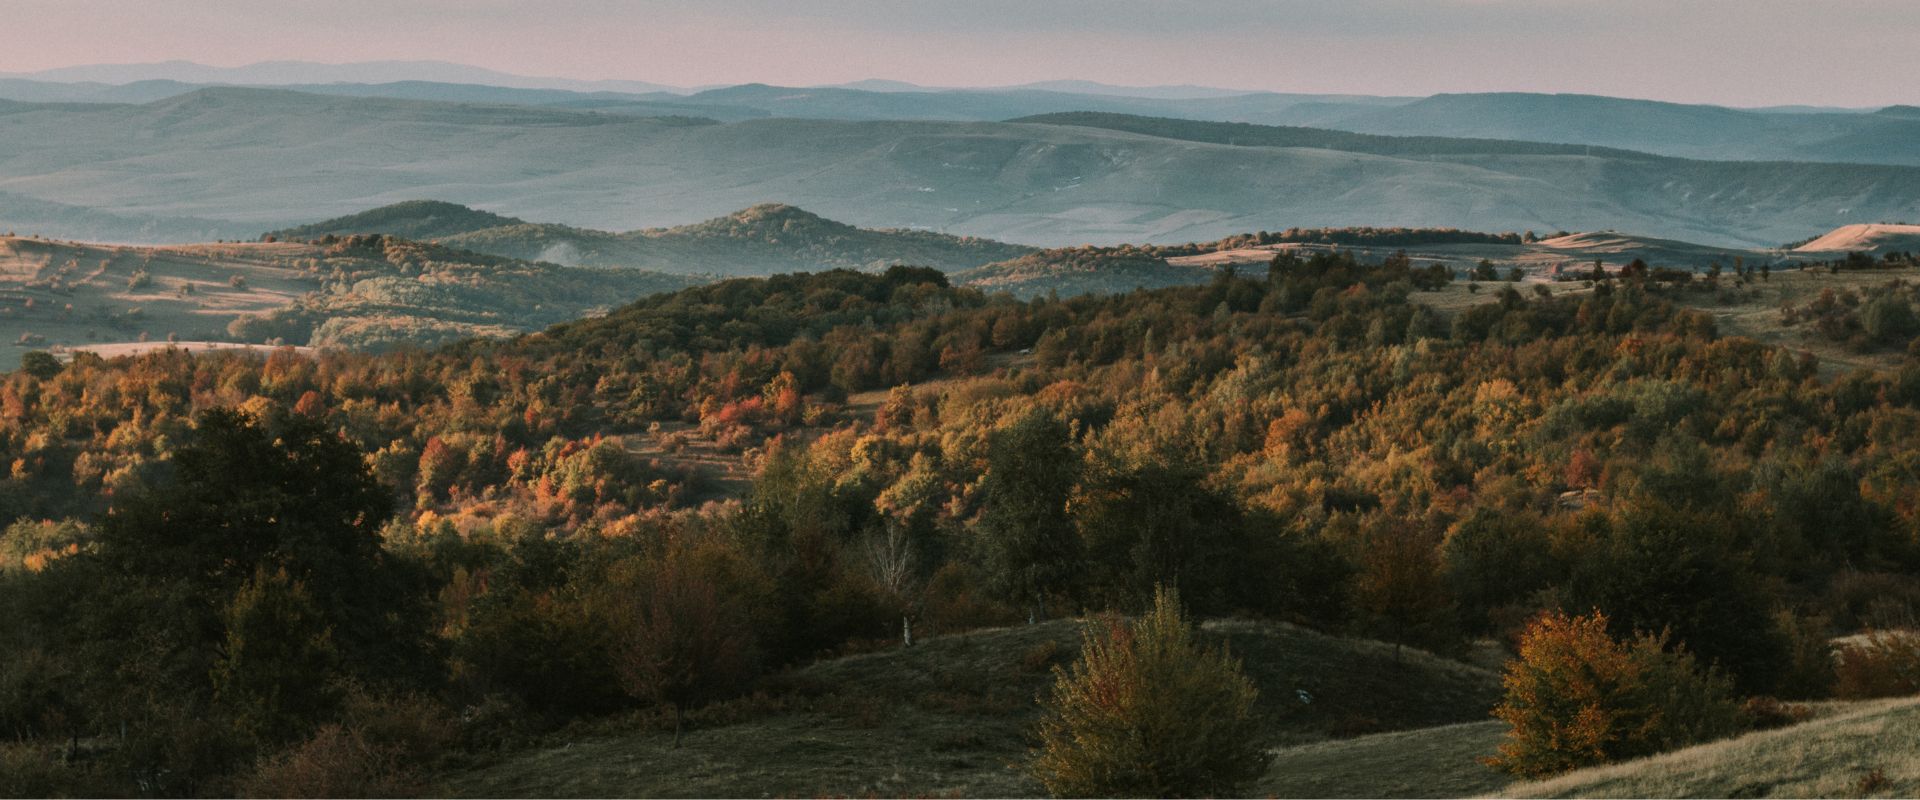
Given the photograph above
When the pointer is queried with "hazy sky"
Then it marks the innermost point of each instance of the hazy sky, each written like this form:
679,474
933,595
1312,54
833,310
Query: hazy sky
1743,52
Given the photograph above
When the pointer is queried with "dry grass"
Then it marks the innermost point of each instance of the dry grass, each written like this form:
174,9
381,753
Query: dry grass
951,715
1429,762
1866,750
97,282
1754,312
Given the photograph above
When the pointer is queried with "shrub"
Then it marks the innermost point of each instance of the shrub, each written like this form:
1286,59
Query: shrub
1577,697
336,761
1887,664
383,747
1766,713
1147,711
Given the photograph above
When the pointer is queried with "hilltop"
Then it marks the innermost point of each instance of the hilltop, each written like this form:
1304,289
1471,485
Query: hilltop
1082,270
765,239
413,219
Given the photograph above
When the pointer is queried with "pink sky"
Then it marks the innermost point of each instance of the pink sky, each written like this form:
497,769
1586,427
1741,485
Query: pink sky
1737,52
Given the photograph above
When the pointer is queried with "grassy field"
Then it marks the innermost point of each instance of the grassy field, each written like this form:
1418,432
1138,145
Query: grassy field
1755,313
1442,761
950,716
1865,751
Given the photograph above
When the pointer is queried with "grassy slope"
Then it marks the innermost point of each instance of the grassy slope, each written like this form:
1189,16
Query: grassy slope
1442,761
950,716
1828,757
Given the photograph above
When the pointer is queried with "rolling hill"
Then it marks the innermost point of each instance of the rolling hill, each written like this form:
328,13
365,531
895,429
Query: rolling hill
203,155
1674,129
949,716
363,293
1877,239
762,240
1083,270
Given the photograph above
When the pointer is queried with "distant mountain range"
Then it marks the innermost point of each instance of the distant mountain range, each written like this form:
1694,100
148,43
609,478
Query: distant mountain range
235,159
276,73
1787,133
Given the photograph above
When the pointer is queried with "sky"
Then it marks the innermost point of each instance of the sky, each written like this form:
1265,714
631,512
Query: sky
1732,52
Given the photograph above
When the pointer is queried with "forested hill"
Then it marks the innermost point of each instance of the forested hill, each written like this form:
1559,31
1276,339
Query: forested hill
413,219
765,239
442,551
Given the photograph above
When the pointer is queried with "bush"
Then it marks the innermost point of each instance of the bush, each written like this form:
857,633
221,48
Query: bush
336,762
1147,711
382,748
1576,697
1887,664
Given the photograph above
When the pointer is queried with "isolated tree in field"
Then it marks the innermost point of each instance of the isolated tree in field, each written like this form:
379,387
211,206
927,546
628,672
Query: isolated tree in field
1577,697
679,642
1029,539
1148,711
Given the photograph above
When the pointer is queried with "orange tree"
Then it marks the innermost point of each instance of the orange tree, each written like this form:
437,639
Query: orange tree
1578,697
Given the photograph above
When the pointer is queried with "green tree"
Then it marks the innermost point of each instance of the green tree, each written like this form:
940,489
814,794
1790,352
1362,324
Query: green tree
288,493
274,666
1663,569
1157,524
39,364
1147,711
1030,544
